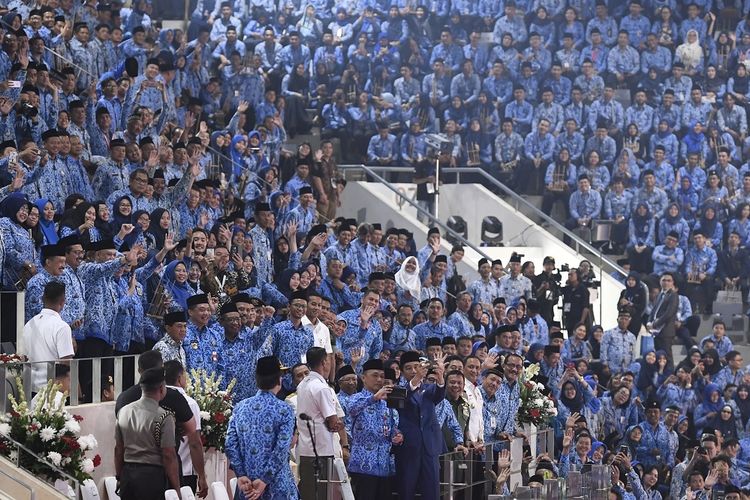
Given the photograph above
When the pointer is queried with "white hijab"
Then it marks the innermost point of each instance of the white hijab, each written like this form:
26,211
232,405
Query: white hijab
690,53
409,281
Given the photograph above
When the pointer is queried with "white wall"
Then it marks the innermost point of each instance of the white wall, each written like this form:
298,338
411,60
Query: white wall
375,202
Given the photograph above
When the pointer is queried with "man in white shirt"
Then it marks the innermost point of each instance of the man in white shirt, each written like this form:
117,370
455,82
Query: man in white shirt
475,431
176,378
316,416
46,337
321,333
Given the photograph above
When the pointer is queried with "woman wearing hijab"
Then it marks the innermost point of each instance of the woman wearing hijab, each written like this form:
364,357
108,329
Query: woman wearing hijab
80,220
664,369
626,168
237,152
408,284
285,255
711,363
694,142
715,83
633,299
475,318
672,220
20,254
739,84
102,221
123,215
710,226
646,379
690,54
740,403
575,397
725,423
175,283
641,243
711,406
295,87
687,198
46,223
617,412
159,225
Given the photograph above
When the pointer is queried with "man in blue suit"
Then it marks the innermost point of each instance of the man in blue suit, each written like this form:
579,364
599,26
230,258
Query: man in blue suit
417,458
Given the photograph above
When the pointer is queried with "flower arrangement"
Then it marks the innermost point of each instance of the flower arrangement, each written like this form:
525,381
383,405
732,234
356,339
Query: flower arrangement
12,362
215,406
535,408
51,433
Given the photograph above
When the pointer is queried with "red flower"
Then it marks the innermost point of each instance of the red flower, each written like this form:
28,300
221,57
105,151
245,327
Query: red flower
78,418
71,445
97,461
219,418
535,413
528,385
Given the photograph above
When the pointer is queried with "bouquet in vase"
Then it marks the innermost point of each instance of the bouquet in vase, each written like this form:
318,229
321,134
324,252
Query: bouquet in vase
12,362
49,432
535,408
215,406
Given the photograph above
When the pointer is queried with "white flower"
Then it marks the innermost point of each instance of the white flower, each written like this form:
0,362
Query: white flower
87,442
205,415
55,458
66,461
87,465
72,426
13,455
5,429
47,434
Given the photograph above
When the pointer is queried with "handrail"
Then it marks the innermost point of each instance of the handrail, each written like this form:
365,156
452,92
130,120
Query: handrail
516,197
371,172
32,494
24,371
66,477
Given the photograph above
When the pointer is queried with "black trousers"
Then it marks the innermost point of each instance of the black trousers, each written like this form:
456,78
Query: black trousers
92,348
366,487
143,482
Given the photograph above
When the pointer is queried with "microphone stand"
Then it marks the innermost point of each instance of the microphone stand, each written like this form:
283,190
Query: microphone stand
316,462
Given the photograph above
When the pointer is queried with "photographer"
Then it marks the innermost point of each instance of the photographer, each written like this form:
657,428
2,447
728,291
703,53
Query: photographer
576,303
546,287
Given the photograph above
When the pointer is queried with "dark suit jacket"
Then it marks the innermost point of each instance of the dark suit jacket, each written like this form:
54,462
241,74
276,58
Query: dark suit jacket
418,422
663,318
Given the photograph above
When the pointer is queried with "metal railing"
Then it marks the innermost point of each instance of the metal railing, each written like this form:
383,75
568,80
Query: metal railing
467,472
582,247
371,172
24,453
9,372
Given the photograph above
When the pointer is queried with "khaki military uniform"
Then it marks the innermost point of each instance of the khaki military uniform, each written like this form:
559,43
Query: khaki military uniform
144,428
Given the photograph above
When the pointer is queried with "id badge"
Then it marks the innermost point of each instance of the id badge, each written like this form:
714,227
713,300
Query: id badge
566,307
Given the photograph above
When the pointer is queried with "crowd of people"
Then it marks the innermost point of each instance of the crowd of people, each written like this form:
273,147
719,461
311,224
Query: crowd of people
152,204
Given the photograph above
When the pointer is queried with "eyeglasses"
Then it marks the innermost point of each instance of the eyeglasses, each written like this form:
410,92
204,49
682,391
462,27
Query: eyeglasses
726,411
232,320
514,366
